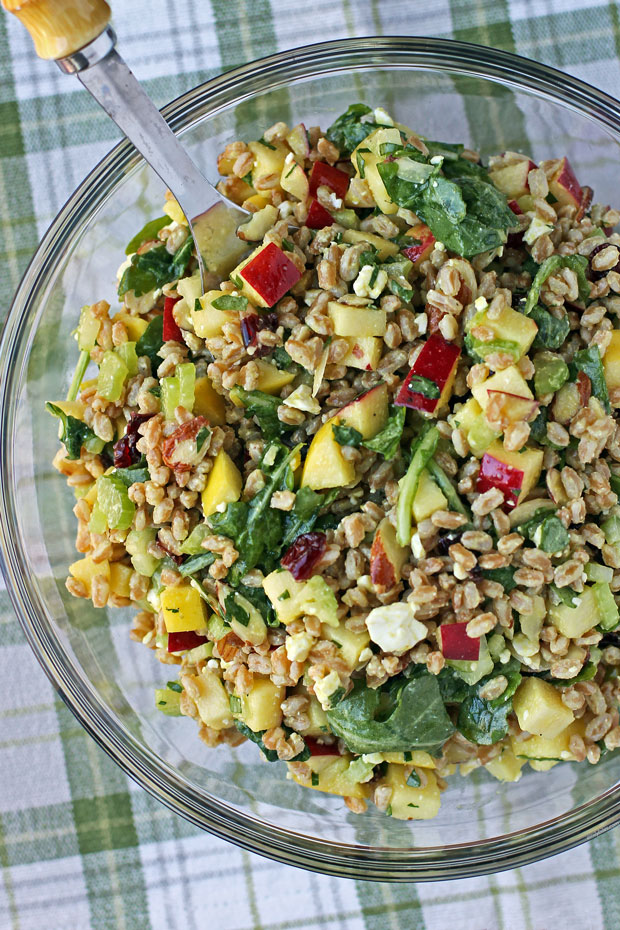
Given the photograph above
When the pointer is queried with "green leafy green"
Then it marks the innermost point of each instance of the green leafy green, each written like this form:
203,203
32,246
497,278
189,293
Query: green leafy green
403,715
551,536
423,451
589,361
148,231
134,473
305,513
347,436
264,408
551,331
481,721
196,563
503,576
577,263
270,754
282,358
387,440
424,386
75,433
228,302
349,130
257,529
151,341
154,268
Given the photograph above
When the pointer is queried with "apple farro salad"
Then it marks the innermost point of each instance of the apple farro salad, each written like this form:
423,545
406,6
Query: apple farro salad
363,491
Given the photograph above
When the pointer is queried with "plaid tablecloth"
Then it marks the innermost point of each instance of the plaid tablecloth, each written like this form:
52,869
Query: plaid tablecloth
81,847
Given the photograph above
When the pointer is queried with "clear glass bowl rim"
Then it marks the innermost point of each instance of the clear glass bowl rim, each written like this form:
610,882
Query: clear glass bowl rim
511,850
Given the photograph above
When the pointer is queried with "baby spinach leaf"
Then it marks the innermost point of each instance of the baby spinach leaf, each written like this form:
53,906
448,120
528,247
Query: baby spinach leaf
551,536
282,358
504,576
134,473
589,361
387,440
551,331
305,513
151,341
229,302
407,714
264,408
347,436
485,721
148,231
270,754
349,130
577,263
75,433
154,268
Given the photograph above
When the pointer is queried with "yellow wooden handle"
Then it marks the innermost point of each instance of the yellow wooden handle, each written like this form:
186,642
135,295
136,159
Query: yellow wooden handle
60,27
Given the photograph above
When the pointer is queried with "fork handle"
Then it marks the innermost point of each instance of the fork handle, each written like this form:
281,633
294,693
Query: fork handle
60,27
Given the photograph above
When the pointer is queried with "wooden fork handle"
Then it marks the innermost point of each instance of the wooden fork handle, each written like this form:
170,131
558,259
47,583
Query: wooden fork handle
60,27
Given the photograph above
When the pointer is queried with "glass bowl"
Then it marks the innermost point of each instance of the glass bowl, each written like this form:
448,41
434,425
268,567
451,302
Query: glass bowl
447,90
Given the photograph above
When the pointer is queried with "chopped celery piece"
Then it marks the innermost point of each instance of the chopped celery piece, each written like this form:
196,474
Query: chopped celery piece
611,529
94,444
193,543
98,521
186,374
113,501
168,702
607,607
596,572
112,375
216,628
423,451
88,329
137,543
78,375
199,653
127,351
169,397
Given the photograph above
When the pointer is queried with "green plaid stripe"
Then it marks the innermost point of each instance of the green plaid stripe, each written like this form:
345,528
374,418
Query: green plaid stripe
80,846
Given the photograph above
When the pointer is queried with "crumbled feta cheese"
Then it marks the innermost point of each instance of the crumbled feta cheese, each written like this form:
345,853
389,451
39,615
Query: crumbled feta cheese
437,160
440,247
362,286
298,646
153,600
302,399
394,628
286,208
421,321
334,202
383,117
373,758
289,161
213,663
416,546
270,456
221,507
536,229
481,303
325,687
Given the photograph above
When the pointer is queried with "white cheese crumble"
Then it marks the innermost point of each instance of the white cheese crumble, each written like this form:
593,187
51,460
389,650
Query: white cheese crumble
437,160
362,286
421,321
325,687
298,646
383,117
536,229
365,656
481,303
394,628
440,247
153,600
373,758
302,399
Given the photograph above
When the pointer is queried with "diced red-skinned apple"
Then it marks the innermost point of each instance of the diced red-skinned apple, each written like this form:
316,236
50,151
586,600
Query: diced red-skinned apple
456,644
266,275
368,414
436,363
514,473
516,209
386,557
512,180
179,642
324,175
294,180
298,141
421,250
564,185
318,217
510,408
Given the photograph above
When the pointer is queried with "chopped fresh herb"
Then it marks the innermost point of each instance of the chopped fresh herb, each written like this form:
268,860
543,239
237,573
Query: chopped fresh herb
270,754
315,779
351,128
156,390
228,302
387,440
424,386
151,341
287,246
267,145
203,434
247,178
347,436
295,165
174,686
412,805
388,810
413,779
234,610
155,268
282,358
407,756
284,596
148,231
551,331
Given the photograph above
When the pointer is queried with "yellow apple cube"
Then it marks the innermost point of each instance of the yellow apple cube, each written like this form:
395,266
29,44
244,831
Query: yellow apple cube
209,321
334,776
384,247
508,381
428,499
208,403
261,706
325,465
356,321
213,704
364,352
183,609
223,485
408,802
85,570
540,709
611,363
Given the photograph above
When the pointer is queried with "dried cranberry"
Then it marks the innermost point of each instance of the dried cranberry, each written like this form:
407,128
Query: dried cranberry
321,749
125,451
594,275
447,540
250,326
302,556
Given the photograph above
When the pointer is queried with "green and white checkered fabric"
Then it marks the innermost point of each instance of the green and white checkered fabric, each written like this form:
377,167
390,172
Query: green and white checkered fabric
81,847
